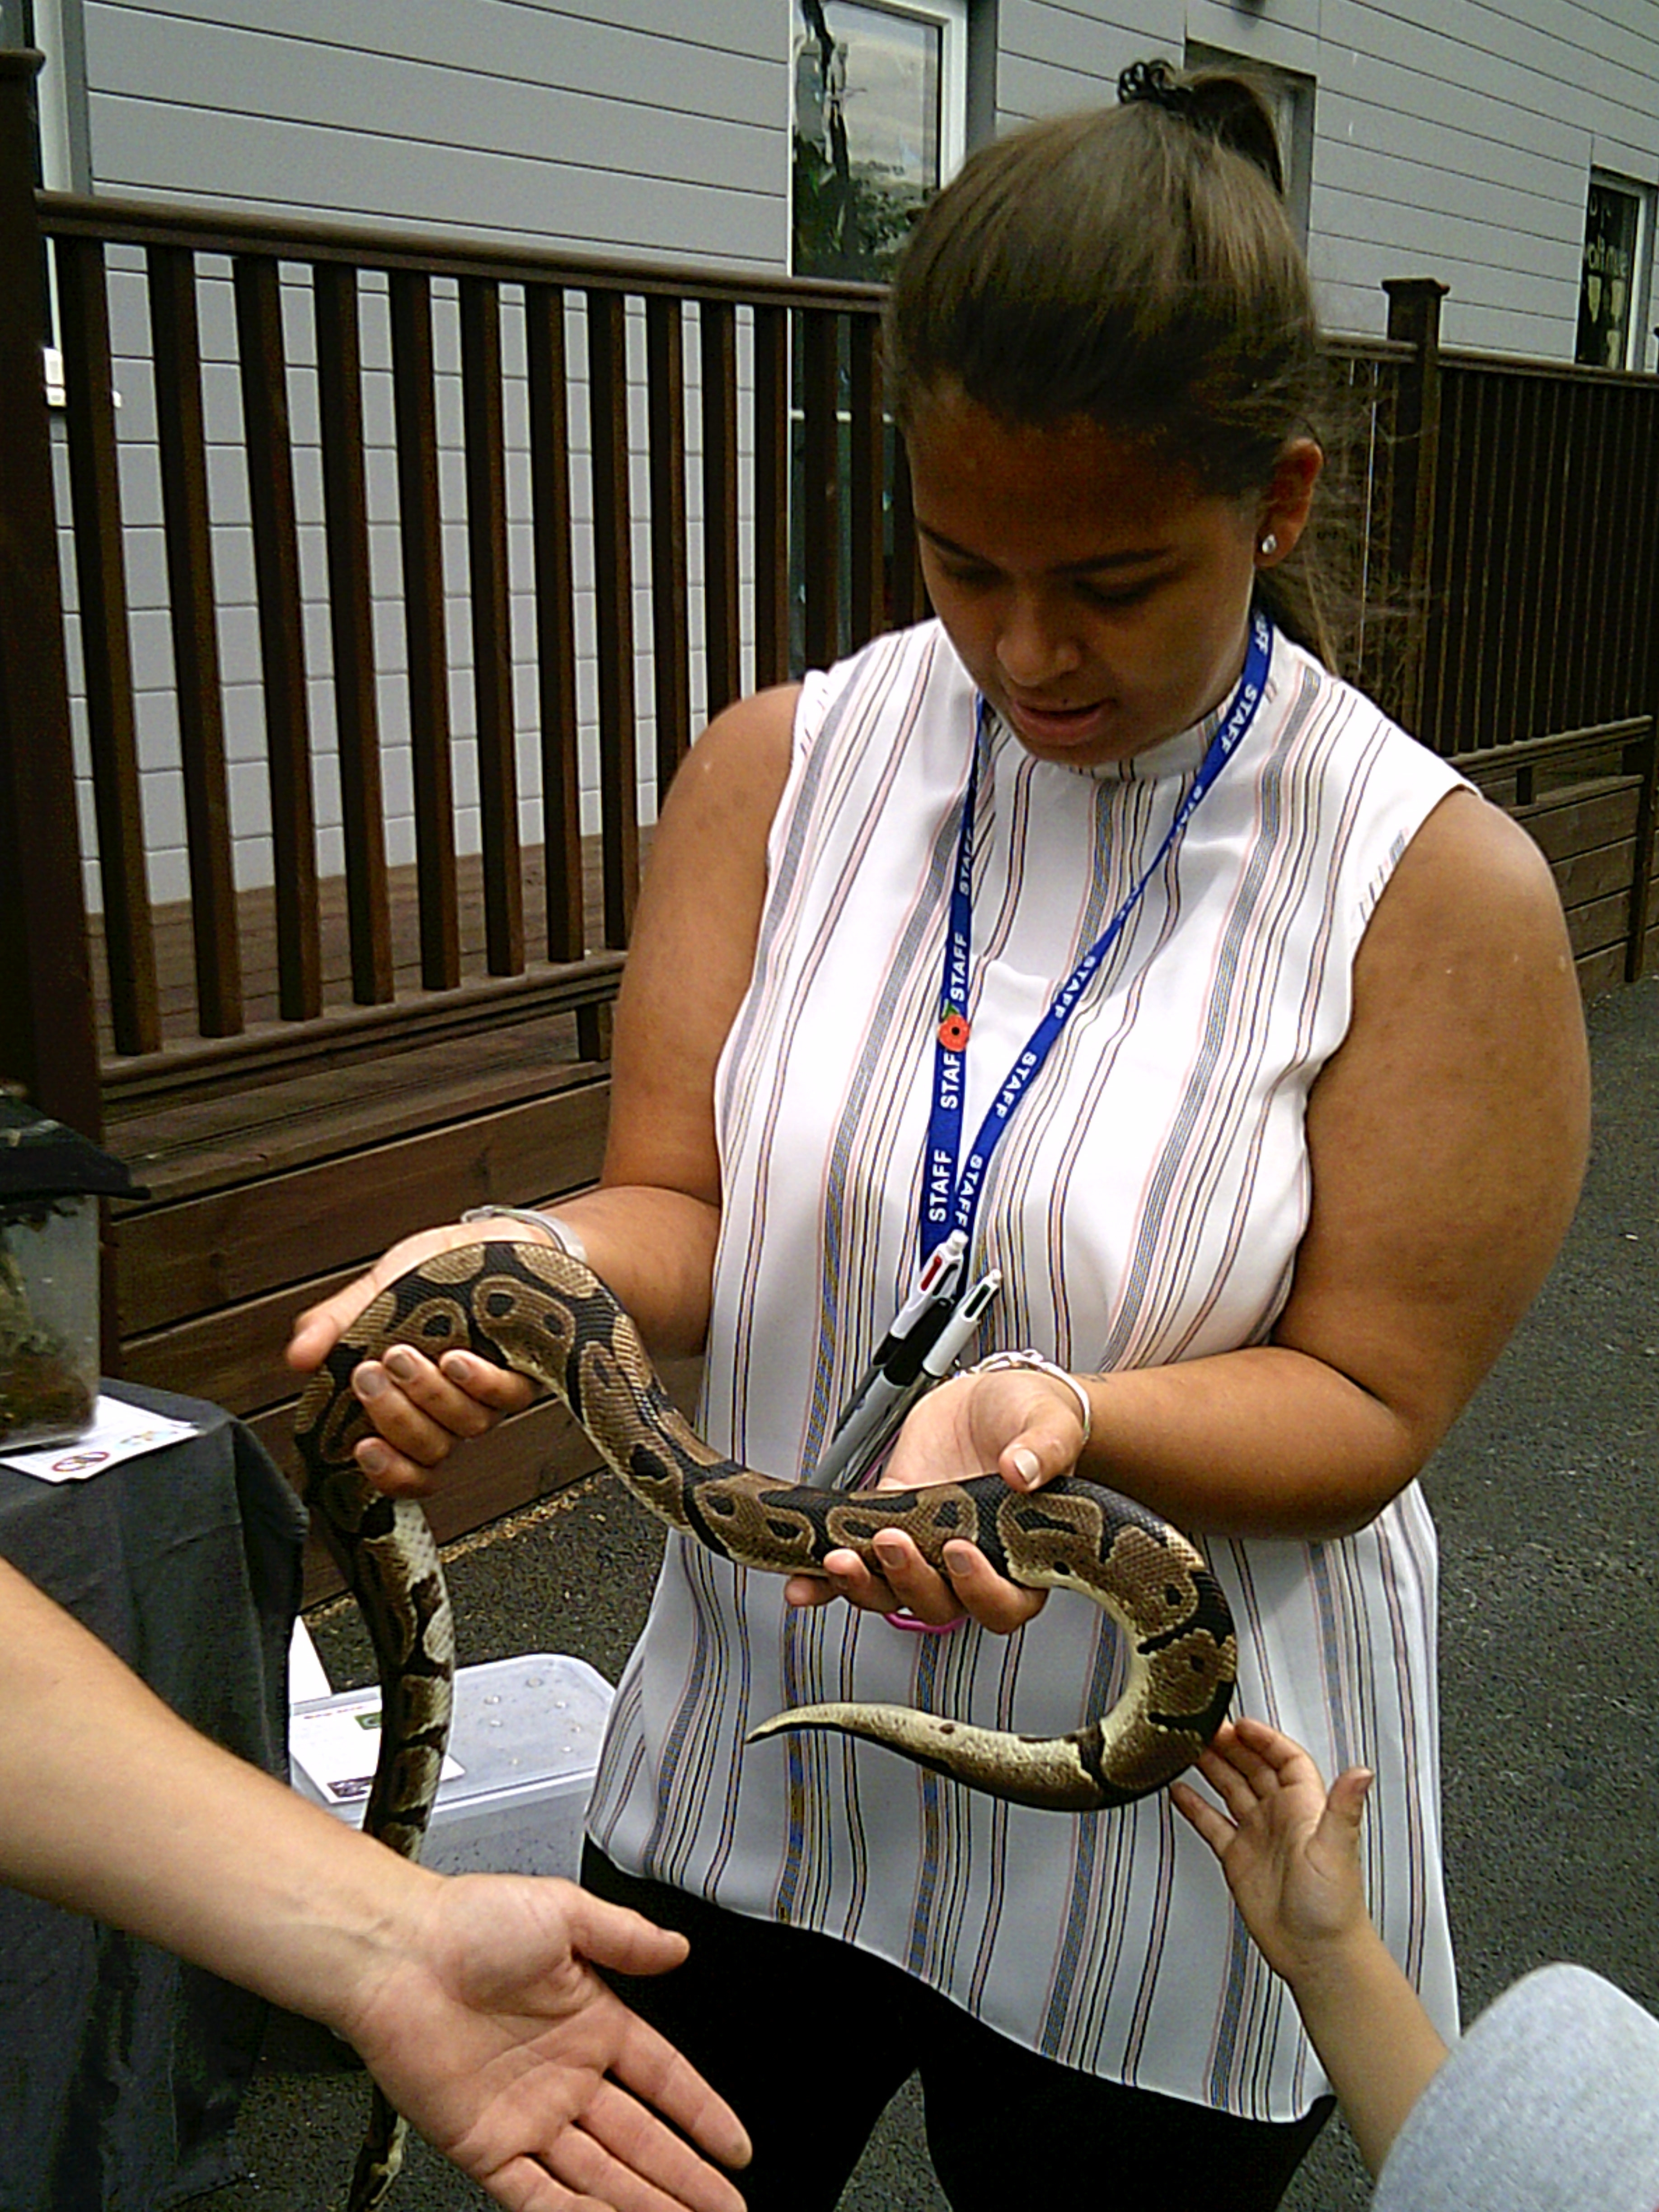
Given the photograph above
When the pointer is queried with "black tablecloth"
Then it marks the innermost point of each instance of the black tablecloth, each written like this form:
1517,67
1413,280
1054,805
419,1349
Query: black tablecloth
120,2067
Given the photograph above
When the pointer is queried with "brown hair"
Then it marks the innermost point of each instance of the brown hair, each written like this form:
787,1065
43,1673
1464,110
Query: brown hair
1132,266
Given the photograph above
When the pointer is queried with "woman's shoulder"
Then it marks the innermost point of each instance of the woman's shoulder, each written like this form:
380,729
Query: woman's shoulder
735,776
1314,694
726,790
902,673
1470,842
1348,756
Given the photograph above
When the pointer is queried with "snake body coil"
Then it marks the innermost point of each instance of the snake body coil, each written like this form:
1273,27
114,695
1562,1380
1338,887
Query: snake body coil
542,1313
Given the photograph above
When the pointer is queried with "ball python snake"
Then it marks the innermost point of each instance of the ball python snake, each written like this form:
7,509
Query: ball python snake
545,1314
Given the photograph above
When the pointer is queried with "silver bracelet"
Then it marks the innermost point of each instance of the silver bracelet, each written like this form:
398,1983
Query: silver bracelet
1041,1365
559,1231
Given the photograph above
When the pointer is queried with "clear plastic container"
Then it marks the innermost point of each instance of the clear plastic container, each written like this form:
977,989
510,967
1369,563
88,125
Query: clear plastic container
523,1753
49,1317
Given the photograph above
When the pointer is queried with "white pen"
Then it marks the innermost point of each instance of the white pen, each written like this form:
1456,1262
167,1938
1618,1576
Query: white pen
959,1331
860,1444
936,1279
897,1358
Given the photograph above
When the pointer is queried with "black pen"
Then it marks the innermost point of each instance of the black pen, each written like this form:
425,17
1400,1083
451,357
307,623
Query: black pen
898,1360
912,1370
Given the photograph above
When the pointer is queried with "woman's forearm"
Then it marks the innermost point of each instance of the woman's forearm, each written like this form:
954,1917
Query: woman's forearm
1263,1442
654,1249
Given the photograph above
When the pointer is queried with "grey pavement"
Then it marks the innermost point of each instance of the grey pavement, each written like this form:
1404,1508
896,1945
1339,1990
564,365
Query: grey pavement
1545,1496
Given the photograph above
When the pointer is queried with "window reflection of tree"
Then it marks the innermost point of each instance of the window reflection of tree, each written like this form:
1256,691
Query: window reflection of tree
834,199
852,209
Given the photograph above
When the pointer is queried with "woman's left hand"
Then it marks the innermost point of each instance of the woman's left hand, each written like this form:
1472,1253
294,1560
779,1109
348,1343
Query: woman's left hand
1015,1422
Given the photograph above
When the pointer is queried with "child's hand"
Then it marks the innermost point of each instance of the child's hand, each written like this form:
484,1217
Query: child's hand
1290,1852
1290,1855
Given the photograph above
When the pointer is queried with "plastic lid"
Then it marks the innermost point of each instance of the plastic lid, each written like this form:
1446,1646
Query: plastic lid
529,1719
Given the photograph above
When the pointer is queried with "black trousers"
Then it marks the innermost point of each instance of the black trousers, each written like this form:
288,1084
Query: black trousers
808,2039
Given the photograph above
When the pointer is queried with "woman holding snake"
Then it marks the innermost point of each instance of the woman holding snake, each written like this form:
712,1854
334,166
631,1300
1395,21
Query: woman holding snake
1268,1028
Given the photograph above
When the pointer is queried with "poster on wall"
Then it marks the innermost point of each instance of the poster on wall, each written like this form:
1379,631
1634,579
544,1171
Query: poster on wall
1606,289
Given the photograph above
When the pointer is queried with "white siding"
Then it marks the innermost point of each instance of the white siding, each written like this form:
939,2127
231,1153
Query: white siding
622,129
1455,137
609,128
1451,141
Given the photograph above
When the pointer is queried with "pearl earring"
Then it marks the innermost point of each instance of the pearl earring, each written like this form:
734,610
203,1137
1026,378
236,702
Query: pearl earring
1269,546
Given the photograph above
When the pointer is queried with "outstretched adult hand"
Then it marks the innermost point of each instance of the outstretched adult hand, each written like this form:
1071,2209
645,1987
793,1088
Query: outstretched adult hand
495,2038
473,1998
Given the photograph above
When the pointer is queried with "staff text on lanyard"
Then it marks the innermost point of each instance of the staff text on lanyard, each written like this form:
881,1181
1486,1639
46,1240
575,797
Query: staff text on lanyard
949,1198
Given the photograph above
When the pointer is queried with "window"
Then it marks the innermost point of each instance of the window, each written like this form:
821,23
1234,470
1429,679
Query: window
1291,97
880,104
39,24
1613,280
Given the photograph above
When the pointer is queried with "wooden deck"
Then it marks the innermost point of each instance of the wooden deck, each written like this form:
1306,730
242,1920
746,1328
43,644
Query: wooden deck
1587,797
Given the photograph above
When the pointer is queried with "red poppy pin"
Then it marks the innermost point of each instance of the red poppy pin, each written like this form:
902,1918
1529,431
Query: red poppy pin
954,1030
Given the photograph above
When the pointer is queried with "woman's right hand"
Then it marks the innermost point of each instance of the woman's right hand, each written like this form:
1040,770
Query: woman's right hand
419,1411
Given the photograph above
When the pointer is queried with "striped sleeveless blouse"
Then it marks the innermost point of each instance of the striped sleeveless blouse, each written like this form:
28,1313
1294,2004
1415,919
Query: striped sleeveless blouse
1145,1206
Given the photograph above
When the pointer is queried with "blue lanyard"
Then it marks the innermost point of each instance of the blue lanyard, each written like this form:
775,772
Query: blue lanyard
949,1201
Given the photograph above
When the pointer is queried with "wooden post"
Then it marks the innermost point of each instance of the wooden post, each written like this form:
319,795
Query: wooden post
613,600
1414,319
1644,758
48,1042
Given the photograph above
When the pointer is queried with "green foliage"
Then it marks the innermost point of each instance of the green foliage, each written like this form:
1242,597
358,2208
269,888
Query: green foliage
850,227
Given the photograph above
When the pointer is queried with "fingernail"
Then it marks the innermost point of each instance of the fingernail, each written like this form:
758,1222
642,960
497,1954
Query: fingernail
1027,1466
888,1547
368,1383
374,1458
402,1361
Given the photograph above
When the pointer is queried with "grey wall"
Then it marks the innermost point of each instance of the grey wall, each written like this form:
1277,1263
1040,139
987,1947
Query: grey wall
654,126
1455,138
623,129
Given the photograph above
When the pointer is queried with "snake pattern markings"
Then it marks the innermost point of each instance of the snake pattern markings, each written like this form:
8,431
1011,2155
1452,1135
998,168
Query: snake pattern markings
545,1314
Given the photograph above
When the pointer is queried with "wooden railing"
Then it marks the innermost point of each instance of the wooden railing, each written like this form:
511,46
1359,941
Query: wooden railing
1543,554
1534,563
284,275
785,380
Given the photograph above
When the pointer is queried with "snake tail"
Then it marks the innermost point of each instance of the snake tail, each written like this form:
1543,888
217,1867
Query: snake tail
1179,1679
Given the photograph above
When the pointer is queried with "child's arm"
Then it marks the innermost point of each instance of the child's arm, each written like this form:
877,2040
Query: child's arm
1290,1855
